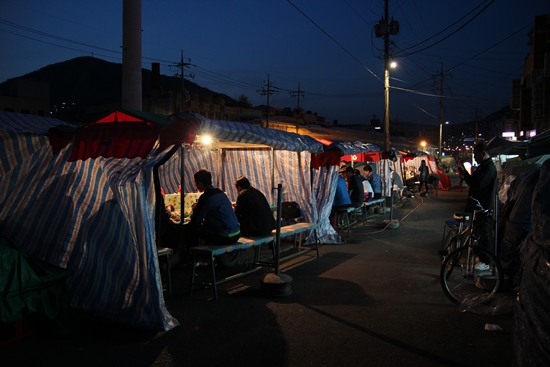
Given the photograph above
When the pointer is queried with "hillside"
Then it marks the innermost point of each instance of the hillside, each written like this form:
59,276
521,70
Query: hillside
88,81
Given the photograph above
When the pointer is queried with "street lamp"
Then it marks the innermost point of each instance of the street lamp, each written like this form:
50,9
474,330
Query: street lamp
423,144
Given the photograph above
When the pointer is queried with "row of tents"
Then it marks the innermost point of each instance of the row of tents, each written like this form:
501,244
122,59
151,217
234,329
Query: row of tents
87,198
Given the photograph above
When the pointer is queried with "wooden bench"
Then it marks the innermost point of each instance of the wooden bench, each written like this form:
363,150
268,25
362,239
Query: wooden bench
211,251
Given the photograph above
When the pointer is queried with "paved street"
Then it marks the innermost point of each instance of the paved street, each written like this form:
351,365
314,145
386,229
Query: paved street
374,301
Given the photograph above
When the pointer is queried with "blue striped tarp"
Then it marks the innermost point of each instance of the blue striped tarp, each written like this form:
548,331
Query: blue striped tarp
353,147
22,123
96,216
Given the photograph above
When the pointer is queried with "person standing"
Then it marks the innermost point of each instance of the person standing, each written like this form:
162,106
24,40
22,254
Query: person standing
252,210
374,180
483,186
423,173
433,180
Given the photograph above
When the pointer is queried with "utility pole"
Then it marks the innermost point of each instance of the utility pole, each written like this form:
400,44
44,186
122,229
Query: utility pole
441,75
476,120
387,143
299,112
267,89
181,66
383,29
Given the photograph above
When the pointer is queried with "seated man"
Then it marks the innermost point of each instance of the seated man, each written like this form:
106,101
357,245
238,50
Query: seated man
213,219
252,210
355,188
341,201
374,180
411,177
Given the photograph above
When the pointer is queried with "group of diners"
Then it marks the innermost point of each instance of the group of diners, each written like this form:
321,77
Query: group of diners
353,189
216,220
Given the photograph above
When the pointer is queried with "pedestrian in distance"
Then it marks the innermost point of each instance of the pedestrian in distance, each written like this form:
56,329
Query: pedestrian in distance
423,173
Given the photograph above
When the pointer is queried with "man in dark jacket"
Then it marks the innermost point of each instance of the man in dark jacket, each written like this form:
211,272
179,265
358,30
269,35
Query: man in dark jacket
483,186
213,219
355,188
252,210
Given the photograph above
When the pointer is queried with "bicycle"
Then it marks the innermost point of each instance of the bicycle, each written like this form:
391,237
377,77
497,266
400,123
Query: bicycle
461,274
456,235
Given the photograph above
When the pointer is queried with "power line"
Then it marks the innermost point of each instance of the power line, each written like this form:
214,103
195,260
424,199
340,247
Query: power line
449,35
335,41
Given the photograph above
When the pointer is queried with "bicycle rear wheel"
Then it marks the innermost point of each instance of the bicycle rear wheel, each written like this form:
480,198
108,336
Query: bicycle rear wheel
461,279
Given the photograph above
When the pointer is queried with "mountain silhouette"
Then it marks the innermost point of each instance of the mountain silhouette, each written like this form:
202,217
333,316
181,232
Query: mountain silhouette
88,81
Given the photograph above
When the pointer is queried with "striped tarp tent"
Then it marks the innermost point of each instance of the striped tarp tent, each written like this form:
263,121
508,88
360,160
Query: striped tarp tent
266,157
415,159
325,179
88,203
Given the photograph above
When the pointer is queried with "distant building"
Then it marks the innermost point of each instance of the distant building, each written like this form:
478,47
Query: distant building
25,95
530,100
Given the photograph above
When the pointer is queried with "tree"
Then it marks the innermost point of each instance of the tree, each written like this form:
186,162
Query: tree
244,101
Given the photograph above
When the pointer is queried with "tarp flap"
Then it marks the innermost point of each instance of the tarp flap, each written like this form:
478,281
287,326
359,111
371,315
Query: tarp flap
355,147
245,133
328,158
498,145
22,123
29,286
114,140
127,115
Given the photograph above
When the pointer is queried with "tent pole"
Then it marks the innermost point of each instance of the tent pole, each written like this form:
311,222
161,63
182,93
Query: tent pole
278,230
219,173
182,183
272,174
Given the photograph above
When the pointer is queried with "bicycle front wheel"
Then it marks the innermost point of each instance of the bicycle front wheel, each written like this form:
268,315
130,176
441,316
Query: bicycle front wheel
461,278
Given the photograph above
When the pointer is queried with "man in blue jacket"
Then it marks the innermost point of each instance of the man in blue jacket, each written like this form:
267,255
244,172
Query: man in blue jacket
374,180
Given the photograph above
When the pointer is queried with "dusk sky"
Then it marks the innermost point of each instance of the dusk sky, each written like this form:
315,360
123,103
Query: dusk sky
328,47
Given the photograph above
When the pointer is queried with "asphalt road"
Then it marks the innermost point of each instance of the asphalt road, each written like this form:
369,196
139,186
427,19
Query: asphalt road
373,301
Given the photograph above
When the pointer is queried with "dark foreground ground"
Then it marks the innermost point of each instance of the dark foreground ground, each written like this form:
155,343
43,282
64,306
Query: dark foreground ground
374,301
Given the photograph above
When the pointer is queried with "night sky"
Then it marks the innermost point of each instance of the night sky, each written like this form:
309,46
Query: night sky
327,47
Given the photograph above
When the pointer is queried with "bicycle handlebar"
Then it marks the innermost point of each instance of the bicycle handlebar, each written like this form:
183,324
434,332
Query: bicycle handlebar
478,204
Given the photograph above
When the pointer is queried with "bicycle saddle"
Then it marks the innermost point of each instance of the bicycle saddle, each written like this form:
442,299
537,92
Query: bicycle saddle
461,217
